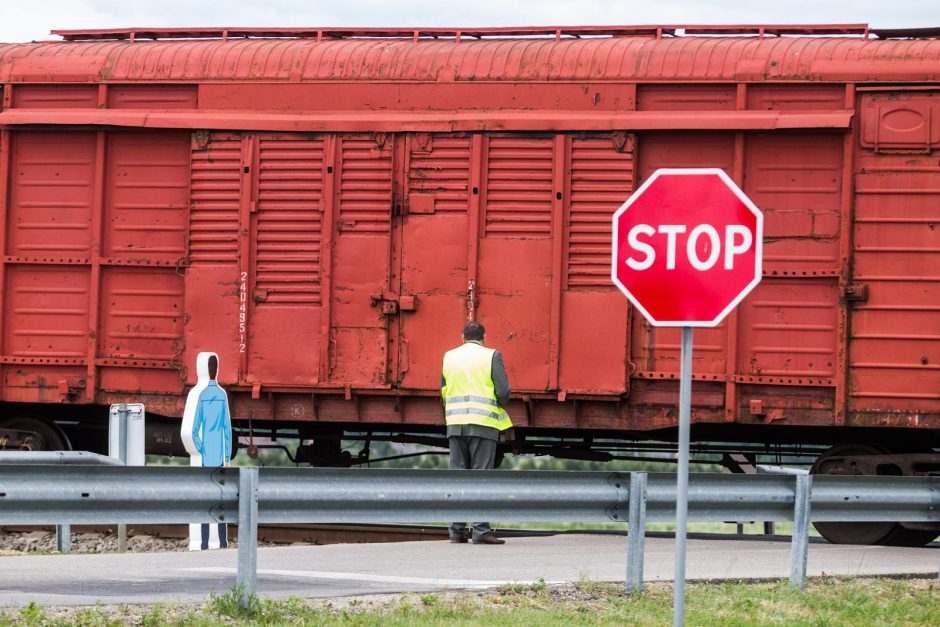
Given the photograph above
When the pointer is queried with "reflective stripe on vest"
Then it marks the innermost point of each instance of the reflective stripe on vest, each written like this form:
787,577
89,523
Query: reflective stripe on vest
469,394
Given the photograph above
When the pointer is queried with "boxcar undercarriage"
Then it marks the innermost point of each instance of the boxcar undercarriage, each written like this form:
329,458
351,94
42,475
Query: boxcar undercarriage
736,448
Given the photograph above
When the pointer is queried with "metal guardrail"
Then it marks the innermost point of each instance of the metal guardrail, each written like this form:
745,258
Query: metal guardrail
63,532
31,494
78,458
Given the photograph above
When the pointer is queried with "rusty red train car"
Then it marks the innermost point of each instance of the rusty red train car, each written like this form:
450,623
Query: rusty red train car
325,208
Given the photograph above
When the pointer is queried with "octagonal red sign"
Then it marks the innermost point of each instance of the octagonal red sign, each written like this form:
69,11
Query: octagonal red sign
687,247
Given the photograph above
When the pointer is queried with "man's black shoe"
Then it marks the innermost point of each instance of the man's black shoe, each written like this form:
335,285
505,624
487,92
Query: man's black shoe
488,538
458,539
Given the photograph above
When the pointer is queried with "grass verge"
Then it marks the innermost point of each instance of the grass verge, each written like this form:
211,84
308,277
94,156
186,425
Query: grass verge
825,601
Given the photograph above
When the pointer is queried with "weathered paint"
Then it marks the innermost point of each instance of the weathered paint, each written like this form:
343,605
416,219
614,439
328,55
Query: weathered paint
325,214
446,60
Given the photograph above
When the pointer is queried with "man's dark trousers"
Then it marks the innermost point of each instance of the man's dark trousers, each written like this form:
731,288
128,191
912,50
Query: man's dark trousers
470,452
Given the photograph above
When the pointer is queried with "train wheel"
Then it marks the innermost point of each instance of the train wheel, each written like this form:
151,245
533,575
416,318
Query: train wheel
849,532
43,435
902,536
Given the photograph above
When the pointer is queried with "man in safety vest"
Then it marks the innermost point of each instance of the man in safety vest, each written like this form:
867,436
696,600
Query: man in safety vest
474,389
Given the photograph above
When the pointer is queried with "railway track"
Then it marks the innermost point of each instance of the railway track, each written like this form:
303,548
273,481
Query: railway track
272,534
162,538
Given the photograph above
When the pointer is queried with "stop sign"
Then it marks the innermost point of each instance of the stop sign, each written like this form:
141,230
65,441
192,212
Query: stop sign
687,247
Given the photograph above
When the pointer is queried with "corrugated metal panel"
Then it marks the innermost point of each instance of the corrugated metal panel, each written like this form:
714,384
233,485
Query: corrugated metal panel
147,196
46,312
791,329
895,333
790,322
365,195
142,317
51,194
796,180
152,96
687,58
55,96
518,197
601,180
216,192
656,350
290,192
439,174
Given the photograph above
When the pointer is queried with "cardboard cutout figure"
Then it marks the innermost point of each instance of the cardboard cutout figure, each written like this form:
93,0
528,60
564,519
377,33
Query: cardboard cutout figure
207,435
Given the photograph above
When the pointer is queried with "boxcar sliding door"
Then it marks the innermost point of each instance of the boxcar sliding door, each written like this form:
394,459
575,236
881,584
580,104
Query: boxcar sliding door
441,202
285,299
290,240
513,229
775,357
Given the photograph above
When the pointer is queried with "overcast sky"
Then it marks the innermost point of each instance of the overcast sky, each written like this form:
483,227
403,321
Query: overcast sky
26,20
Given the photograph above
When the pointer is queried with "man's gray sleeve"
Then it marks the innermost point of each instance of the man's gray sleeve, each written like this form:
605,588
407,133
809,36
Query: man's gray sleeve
500,380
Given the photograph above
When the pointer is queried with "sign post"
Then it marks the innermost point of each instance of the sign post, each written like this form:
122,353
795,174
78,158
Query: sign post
687,248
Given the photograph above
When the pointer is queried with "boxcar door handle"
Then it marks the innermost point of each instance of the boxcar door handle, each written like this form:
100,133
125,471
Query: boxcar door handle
392,304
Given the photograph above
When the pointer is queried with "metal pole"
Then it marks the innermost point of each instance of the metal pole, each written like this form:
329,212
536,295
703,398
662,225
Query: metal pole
123,414
63,538
636,532
247,533
682,476
122,431
800,540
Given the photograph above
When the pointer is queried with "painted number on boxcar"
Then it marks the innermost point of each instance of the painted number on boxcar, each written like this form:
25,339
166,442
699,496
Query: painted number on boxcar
242,311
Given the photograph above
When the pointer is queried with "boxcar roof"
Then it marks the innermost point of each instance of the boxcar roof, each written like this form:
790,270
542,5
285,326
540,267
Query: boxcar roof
642,57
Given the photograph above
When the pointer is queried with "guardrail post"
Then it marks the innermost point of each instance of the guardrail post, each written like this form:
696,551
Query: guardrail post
636,532
800,540
122,412
247,533
63,538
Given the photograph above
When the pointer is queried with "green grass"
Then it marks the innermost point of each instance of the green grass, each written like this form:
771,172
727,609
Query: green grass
825,601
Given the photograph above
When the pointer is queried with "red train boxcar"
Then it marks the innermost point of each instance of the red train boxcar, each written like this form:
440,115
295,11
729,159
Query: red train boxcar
326,208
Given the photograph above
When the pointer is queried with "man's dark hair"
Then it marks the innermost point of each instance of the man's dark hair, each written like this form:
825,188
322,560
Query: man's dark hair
474,331
213,367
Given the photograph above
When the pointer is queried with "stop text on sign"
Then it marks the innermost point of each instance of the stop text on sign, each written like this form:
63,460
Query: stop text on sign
687,247
703,248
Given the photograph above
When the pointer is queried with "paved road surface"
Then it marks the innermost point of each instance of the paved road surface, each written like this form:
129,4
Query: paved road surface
361,569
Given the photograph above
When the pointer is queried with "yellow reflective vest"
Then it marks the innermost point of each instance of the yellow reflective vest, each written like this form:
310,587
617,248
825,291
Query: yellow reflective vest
469,394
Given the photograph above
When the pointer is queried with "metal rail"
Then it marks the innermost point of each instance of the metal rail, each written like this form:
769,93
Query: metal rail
78,458
63,532
31,494
417,34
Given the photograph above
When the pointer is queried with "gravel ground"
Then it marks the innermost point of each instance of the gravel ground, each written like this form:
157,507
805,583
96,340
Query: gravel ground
17,543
